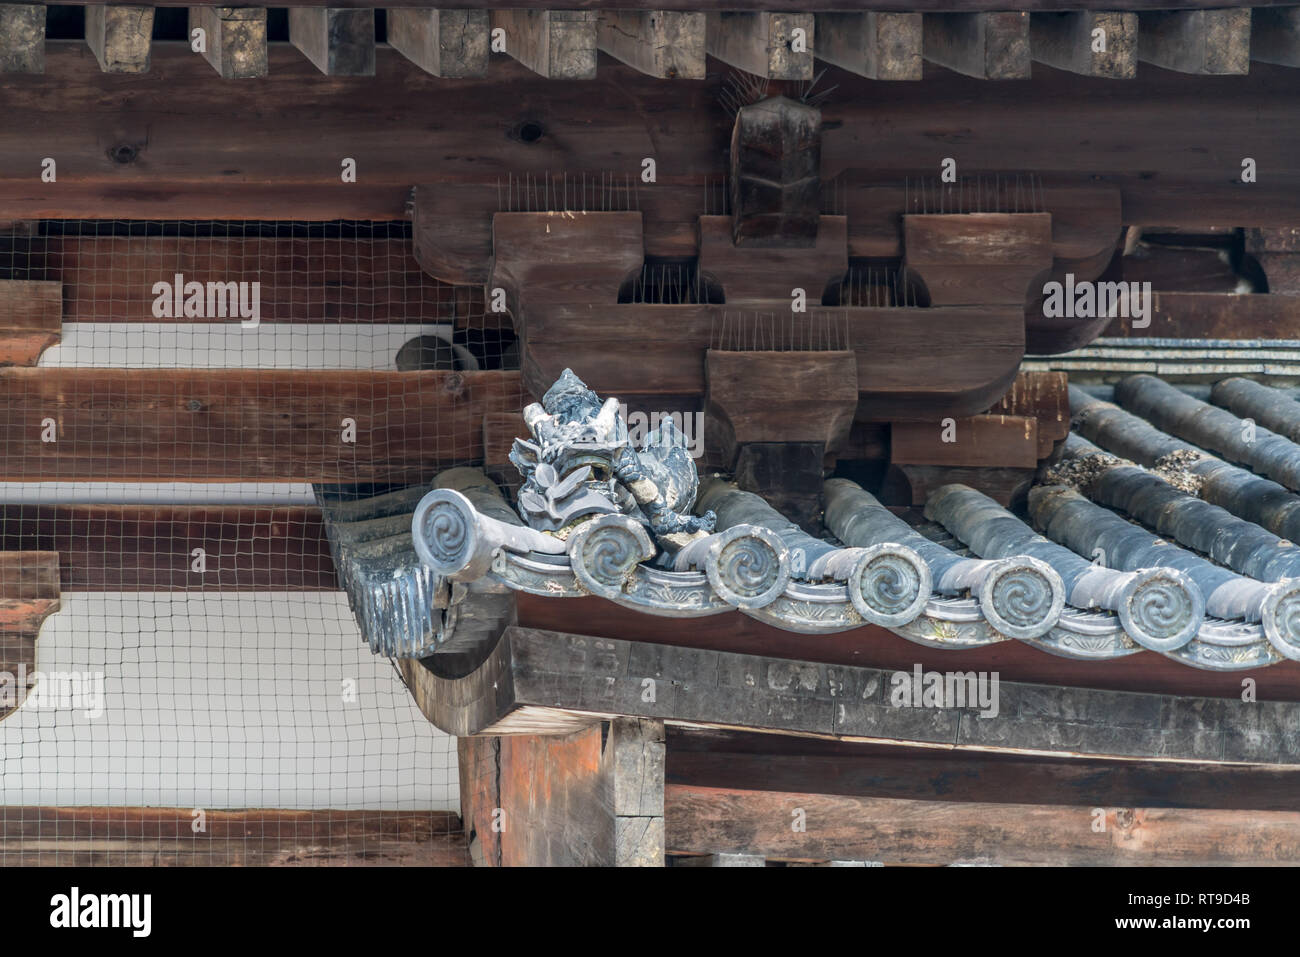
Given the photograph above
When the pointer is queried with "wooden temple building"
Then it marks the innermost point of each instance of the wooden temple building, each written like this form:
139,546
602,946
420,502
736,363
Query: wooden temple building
798,366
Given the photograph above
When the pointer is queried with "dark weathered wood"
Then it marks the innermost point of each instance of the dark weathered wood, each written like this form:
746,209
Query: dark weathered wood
1199,315
943,832
1069,41
775,180
166,837
787,475
592,798
194,425
992,441
1044,396
766,276
762,43
560,257
896,5
659,43
990,46
721,860
747,761
1145,672
880,46
449,43
913,484
111,278
549,683
1178,269
287,163
556,44
339,41
235,39
1196,41
1275,36
120,36
150,547
640,349
22,38
819,393
1277,251
31,320
971,258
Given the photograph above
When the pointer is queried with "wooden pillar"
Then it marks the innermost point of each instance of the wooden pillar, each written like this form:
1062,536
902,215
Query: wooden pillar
877,45
989,46
447,43
22,38
1088,42
556,44
341,42
1213,42
120,37
775,45
662,43
236,39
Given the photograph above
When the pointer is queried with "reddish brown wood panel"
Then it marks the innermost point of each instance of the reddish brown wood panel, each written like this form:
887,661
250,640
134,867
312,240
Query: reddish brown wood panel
901,831
31,320
1203,315
150,547
167,837
981,441
111,278
874,647
273,426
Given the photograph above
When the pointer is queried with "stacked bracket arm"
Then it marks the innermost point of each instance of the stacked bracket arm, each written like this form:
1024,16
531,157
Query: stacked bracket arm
1020,597
888,583
1160,608
1087,528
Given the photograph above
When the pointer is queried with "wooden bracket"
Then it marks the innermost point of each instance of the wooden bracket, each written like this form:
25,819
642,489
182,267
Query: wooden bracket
29,593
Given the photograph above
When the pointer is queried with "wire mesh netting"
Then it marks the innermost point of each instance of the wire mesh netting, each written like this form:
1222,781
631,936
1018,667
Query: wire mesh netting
203,657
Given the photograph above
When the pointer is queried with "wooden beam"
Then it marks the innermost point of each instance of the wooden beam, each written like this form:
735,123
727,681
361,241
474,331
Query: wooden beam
120,36
31,320
721,860
895,5
1071,41
660,43
981,441
447,43
774,45
1215,42
942,832
557,257
537,682
989,46
1275,35
29,593
111,278
1278,253
747,761
166,837
1044,397
1143,673
288,165
1208,315
556,44
759,275
877,45
272,426
971,258
235,39
150,547
22,38
339,41
819,393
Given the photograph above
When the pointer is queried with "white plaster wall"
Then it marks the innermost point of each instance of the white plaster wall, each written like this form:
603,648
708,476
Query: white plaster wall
224,701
